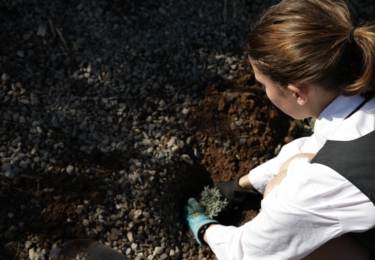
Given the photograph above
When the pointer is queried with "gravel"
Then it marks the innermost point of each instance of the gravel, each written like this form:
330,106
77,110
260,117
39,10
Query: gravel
85,77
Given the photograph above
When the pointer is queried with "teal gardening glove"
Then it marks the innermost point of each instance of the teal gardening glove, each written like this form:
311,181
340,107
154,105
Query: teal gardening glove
197,220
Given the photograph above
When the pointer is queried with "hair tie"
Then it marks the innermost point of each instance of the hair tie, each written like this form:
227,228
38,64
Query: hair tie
351,35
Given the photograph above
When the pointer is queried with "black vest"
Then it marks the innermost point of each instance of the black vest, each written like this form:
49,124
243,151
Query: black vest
354,160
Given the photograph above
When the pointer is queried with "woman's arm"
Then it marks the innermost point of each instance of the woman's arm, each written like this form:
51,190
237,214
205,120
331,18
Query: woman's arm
300,155
261,175
283,170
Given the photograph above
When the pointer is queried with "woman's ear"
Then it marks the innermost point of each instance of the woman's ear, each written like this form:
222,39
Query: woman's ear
299,93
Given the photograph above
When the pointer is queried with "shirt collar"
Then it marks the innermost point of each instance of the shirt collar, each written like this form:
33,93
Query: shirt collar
333,115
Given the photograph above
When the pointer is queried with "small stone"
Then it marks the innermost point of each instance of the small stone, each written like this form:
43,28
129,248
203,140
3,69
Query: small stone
186,111
119,223
84,148
70,169
13,228
162,104
4,77
90,81
80,209
28,244
113,237
187,159
130,237
57,198
32,254
113,217
99,228
146,214
22,255
198,154
158,250
39,255
83,125
175,149
108,223
7,168
181,144
146,142
239,122
21,53
122,213
100,210
134,247
55,122
162,11
137,213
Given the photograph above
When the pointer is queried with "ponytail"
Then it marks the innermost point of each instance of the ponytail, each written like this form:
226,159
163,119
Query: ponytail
364,39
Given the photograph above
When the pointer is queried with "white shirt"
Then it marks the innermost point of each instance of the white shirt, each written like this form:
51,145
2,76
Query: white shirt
312,205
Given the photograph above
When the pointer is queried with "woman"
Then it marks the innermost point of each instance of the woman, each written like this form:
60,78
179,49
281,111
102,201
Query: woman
311,62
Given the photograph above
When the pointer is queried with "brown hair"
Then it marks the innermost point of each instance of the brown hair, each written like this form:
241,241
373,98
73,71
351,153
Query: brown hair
308,41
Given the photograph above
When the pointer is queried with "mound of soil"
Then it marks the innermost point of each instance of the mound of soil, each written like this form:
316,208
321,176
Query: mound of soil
236,129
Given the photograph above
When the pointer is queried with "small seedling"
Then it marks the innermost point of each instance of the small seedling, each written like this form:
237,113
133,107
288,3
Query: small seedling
212,202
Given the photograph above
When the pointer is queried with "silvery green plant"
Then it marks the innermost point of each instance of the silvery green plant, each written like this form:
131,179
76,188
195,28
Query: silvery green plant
212,202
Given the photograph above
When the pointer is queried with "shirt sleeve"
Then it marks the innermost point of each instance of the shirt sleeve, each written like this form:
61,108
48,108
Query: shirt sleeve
261,175
294,221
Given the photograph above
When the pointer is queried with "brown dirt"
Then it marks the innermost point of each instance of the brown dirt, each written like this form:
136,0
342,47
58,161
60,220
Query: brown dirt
264,127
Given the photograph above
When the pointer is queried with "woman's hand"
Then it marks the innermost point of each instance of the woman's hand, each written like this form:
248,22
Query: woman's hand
283,170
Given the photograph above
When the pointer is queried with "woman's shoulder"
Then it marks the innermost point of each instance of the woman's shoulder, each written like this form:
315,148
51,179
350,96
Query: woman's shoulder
357,125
